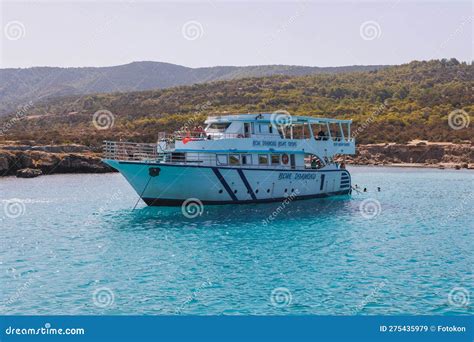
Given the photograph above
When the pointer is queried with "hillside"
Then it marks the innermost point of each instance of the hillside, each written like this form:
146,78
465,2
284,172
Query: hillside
18,86
418,98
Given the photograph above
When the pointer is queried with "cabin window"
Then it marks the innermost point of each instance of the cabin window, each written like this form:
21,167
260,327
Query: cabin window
259,128
246,159
247,129
335,131
306,130
301,131
270,128
263,159
218,127
275,159
178,157
234,159
320,131
222,159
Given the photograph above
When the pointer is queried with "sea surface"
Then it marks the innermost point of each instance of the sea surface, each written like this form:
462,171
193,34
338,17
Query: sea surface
73,244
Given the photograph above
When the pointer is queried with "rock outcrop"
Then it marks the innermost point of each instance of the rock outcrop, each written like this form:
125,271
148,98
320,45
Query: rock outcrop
28,173
416,153
13,160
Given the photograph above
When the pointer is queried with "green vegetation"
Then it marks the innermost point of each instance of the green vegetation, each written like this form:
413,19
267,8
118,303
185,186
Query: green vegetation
419,97
19,86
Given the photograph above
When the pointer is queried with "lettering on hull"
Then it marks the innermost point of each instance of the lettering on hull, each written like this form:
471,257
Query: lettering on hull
296,176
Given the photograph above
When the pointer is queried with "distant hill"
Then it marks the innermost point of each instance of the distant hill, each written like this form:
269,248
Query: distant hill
394,104
19,86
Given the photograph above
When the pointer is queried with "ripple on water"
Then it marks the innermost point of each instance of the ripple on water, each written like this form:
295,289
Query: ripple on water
324,257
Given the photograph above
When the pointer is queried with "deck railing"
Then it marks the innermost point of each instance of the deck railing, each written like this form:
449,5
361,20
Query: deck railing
119,150
127,151
201,135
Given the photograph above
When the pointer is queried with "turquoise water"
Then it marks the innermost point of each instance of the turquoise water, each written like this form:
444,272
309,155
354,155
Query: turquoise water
71,244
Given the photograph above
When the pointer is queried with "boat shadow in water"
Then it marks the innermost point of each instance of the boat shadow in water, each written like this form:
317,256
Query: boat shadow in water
196,215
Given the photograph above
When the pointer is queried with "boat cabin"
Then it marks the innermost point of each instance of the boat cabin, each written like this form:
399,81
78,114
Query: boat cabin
276,141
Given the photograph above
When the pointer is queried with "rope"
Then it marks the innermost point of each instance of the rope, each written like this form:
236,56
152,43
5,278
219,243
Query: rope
149,179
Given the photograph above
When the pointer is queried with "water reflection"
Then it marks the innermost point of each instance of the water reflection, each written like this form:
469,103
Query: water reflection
231,215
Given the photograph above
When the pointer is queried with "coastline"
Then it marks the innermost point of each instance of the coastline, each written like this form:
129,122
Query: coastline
29,161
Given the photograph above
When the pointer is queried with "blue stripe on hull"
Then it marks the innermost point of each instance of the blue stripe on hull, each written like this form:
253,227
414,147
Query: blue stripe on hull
224,183
164,202
246,183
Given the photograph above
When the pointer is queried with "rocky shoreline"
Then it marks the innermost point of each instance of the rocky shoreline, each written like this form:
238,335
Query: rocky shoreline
416,153
30,161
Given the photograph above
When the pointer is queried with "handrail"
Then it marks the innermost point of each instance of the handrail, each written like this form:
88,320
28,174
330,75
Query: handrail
128,151
202,135
179,135
119,150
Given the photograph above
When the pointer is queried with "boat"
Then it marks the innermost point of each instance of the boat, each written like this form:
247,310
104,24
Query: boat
239,159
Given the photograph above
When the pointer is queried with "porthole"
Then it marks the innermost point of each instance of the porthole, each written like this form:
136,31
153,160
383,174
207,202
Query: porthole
286,190
256,191
292,190
220,191
268,190
235,191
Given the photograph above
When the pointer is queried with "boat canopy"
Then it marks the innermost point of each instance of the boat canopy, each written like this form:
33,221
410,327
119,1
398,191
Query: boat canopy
276,117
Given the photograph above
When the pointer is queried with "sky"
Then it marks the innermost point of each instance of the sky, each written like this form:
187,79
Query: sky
210,33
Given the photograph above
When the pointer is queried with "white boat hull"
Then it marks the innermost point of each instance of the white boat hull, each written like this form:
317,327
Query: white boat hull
164,184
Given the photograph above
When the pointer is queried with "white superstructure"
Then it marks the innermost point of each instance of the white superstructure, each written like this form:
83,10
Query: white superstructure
241,158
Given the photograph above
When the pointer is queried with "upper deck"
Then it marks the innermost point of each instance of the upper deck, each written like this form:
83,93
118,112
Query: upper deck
246,136
275,132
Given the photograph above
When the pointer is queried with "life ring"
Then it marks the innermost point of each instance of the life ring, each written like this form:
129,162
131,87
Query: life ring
284,159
